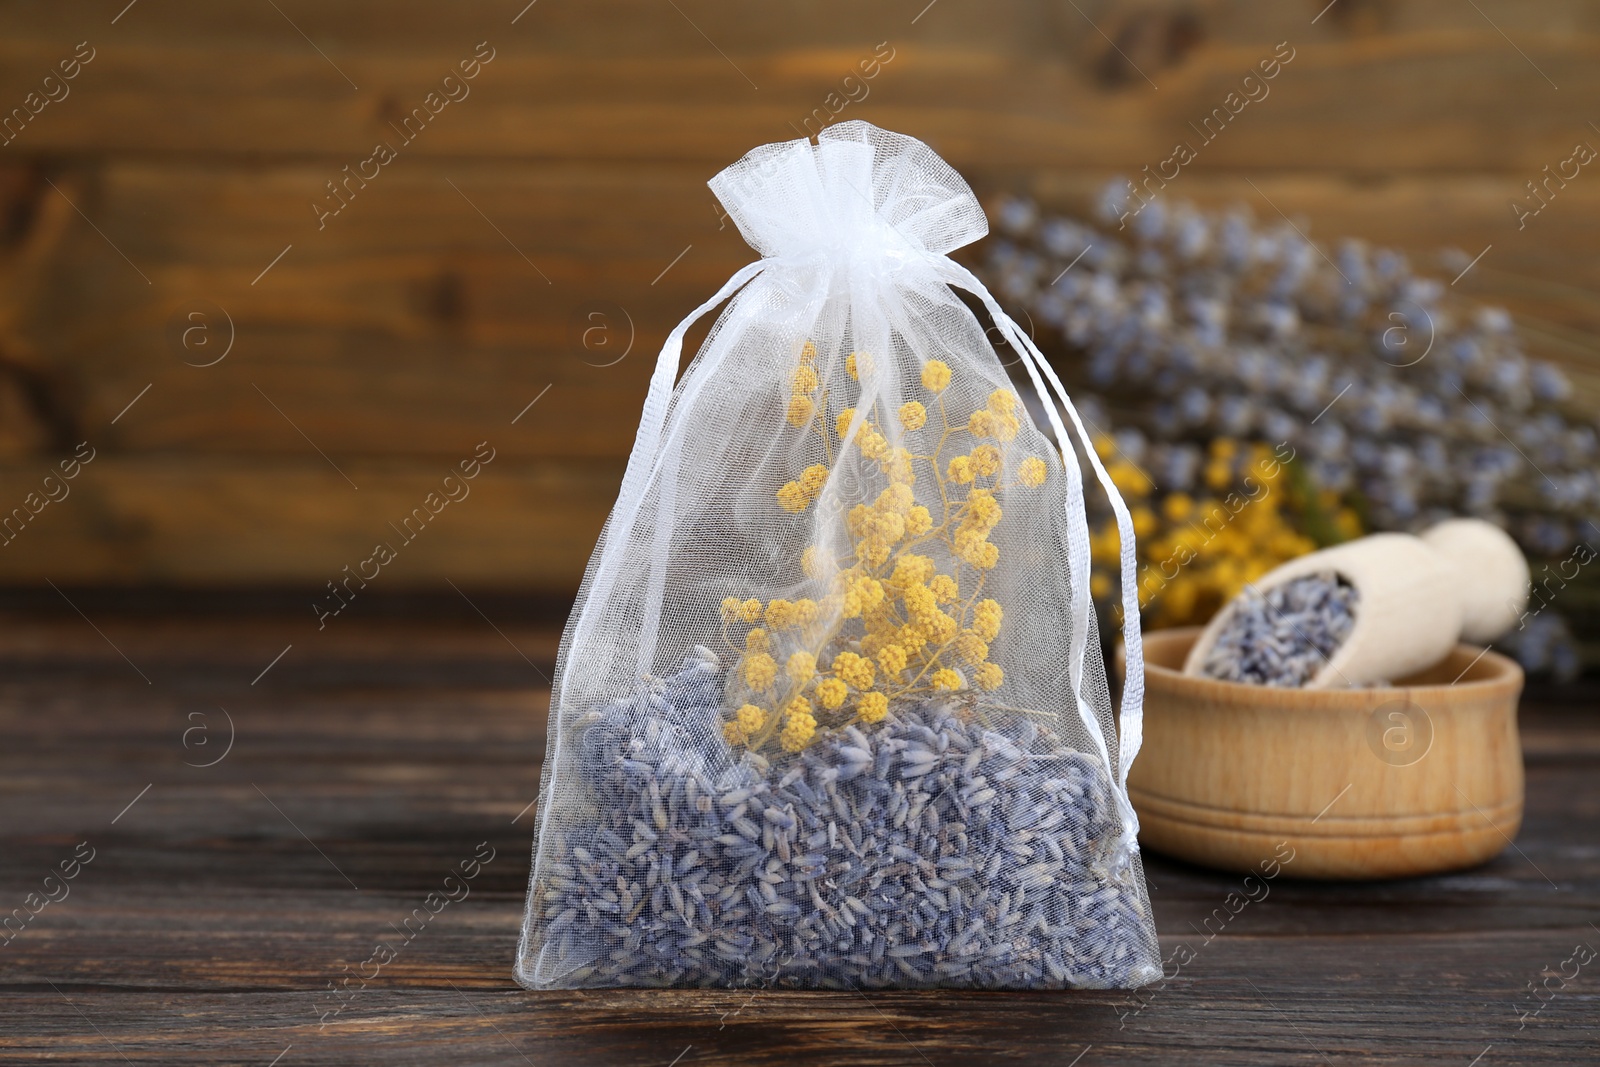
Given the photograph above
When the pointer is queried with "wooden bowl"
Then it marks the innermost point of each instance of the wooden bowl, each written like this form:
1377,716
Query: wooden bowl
1420,777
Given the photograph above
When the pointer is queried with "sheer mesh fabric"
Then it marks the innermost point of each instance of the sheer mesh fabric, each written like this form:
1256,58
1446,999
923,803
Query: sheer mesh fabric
667,854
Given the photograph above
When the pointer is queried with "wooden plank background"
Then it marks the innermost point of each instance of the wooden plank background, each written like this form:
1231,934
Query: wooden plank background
453,290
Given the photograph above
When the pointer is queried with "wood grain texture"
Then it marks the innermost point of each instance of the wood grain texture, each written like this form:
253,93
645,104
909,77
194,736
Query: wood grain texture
152,520
548,229
208,924
1432,85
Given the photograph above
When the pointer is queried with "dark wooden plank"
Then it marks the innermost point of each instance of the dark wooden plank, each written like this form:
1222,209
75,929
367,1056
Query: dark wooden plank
414,323
1422,85
141,520
206,927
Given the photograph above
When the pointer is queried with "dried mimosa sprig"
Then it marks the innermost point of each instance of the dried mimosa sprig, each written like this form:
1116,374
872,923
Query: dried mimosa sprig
893,624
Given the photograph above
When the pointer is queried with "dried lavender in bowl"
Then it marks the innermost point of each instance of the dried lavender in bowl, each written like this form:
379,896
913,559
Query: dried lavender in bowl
1286,635
933,850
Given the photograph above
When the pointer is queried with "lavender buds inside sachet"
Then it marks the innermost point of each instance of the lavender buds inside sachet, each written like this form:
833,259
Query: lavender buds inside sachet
933,850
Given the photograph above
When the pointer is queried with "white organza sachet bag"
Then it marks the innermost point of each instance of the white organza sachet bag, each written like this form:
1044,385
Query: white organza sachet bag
830,710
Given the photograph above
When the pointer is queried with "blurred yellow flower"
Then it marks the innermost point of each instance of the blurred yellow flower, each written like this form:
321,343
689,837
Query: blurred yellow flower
1106,546
911,637
831,693
854,670
779,614
751,718
896,498
971,647
760,671
896,463
793,497
813,478
802,667
986,460
986,618
1144,521
801,408
1197,552
800,728
939,627
1128,478
892,658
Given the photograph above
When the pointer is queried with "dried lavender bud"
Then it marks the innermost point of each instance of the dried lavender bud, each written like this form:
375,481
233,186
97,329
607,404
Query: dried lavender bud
1170,317
931,850
1285,636
1185,309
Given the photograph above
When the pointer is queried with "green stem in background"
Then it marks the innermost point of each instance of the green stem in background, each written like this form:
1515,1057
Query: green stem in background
1303,491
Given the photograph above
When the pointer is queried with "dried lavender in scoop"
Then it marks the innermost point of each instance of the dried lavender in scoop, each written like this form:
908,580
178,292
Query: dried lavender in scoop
1285,636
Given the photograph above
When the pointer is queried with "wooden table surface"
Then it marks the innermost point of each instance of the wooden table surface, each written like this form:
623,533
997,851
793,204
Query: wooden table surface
375,756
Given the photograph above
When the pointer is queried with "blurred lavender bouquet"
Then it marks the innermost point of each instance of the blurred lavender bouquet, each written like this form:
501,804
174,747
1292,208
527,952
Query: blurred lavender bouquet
1330,391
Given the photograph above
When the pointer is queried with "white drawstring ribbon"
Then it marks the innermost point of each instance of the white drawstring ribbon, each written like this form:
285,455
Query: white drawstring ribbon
653,420
1130,721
